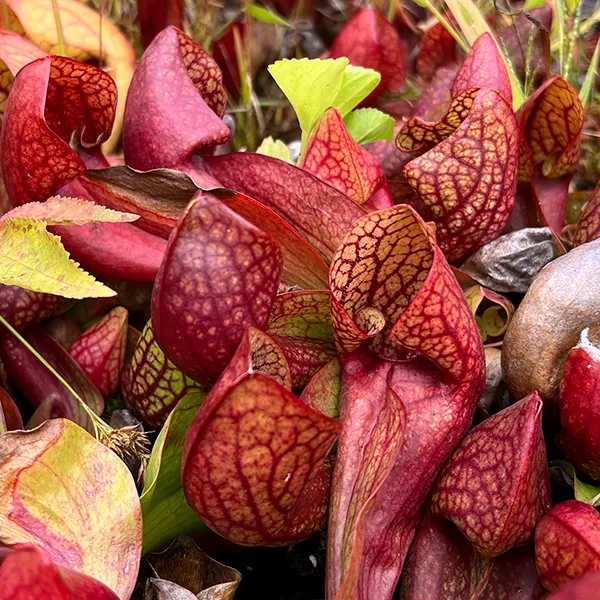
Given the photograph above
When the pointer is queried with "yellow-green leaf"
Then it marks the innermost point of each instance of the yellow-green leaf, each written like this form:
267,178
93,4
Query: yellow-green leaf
35,259
60,210
275,149
70,495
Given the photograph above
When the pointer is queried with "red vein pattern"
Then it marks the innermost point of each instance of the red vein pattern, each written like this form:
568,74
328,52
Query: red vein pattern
588,228
496,486
483,68
335,158
392,289
580,408
467,183
323,391
51,98
27,572
369,40
255,462
319,213
567,544
220,275
436,50
152,385
21,307
100,350
174,106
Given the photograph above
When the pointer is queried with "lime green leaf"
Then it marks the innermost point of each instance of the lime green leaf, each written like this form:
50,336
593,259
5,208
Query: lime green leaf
276,149
265,16
164,507
584,492
589,83
531,4
367,125
357,84
311,86
60,210
34,259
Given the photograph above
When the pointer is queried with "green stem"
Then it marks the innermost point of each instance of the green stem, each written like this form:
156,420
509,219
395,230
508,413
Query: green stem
99,424
447,26
59,29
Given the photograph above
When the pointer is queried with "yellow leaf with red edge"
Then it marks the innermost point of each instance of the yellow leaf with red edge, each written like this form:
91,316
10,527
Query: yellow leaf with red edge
68,494
84,41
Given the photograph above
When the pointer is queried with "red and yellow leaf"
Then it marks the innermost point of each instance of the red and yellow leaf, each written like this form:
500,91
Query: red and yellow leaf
588,227
437,49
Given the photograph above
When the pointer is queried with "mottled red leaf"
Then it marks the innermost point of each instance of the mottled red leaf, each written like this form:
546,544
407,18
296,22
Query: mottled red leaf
369,40
155,15
40,386
466,184
437,49
27,572
300,323
152,385
496,486
52,98
220,275
335,158
585,588
388,280
319,213
567,544
436,97
483,68
588,227
580,407
255,465
100,350
21,307
323,391
174,106
10,417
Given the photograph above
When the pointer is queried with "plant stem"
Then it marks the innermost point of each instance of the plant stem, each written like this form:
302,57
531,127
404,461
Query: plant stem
59,29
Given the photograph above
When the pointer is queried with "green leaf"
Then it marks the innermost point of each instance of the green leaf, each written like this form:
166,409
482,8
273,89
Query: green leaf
531,4
367,125
34,259
589,82
164,507
265,16
60,210
311,86
357,84
275,149
584,492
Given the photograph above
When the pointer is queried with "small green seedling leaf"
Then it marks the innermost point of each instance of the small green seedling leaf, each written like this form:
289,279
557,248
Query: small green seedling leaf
35,259
367,125
60,210
584,492
166,512
265,15
275,149
357,84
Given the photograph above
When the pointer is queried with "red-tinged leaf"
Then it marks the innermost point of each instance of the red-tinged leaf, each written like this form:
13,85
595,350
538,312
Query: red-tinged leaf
15,52
21,307
580,407
551,197
483,68
551,122
152,385
155,15
466,184
73,498
28,572
567,544
335,158
435,99
319,213
174,106
588,227
388,279
223,51
51,99
300,323
369,40
386,282
255,464
437,49
10,417
220,275
496,486
40,386
585,588
323,391
100,351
